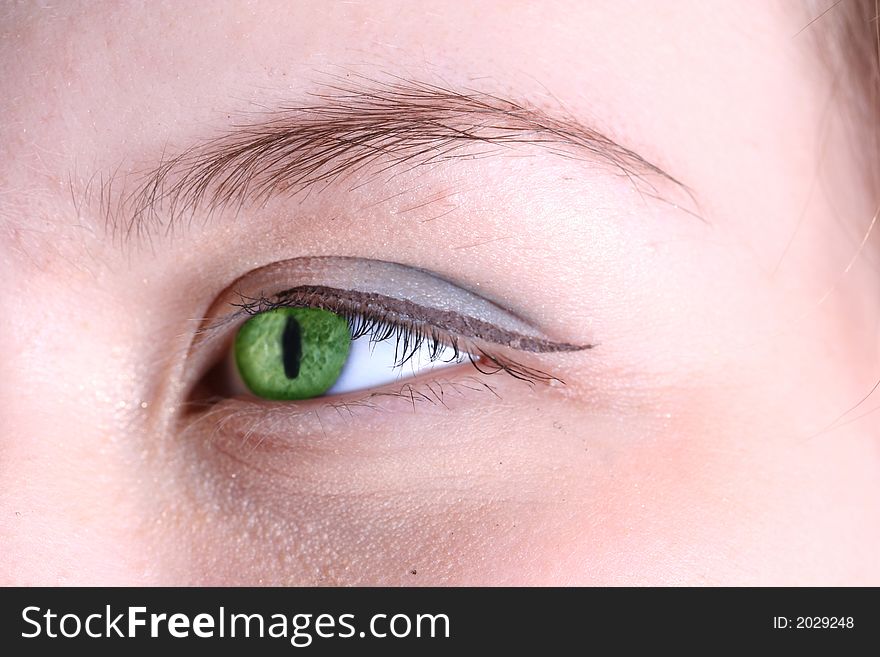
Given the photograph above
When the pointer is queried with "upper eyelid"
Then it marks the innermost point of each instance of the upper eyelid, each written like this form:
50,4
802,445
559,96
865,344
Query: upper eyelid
453,306
395,311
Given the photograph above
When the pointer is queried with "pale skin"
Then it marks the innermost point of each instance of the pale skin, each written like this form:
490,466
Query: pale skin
705,438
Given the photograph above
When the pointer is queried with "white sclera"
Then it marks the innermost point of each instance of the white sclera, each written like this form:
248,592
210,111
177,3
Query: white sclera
372,364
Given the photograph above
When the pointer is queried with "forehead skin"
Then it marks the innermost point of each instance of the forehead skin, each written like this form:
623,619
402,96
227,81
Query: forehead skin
693,449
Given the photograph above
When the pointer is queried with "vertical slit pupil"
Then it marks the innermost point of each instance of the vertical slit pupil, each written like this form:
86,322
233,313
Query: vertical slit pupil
291,347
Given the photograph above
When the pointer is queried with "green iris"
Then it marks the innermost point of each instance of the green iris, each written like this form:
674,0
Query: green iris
292,353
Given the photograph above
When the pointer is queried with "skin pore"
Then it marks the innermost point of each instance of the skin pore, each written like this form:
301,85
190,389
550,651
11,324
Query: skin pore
719,267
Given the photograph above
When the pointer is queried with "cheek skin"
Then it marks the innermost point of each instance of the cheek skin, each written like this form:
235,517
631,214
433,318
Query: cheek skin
698,484
456,495
737,484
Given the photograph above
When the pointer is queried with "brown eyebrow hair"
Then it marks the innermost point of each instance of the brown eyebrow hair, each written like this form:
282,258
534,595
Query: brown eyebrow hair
348,128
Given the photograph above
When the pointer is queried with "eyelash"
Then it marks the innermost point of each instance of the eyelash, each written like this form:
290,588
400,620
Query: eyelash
410,335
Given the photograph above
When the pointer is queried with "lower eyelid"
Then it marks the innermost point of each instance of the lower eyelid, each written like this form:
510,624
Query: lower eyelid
286,425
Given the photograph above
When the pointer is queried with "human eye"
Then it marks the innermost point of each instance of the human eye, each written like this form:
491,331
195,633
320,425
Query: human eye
336,327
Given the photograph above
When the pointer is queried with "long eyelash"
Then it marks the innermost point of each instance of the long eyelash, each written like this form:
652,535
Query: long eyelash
409,337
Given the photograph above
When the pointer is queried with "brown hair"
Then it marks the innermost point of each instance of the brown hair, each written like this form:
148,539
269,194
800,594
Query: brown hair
847,33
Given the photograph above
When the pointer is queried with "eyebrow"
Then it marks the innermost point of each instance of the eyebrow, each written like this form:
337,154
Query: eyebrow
349,128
